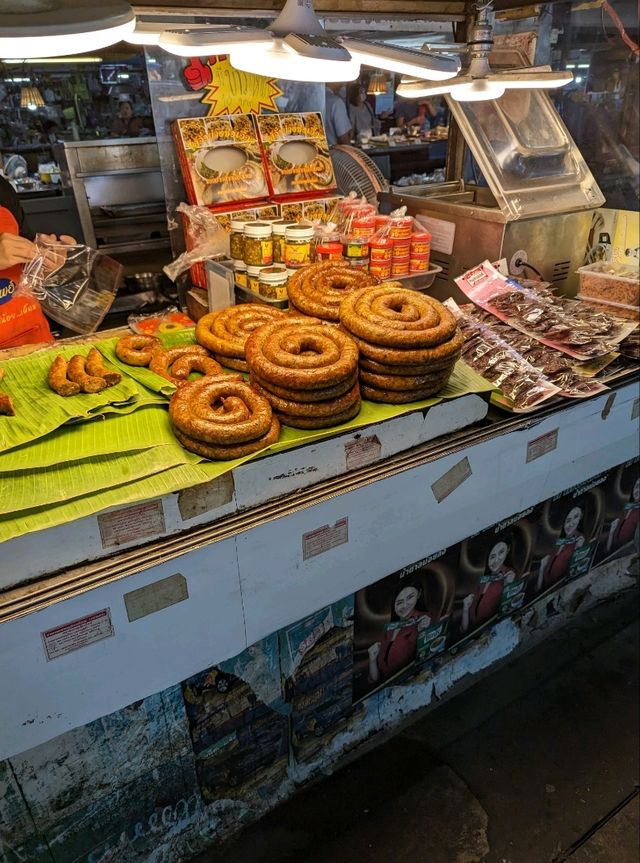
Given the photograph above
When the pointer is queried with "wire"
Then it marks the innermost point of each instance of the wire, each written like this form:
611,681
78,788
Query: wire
628,41
526,266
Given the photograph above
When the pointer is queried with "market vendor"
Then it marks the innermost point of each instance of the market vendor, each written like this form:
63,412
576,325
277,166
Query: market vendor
336,117
126,125
22,321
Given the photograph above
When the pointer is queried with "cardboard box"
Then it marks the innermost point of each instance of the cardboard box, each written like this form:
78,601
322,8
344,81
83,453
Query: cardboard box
221,160
296,155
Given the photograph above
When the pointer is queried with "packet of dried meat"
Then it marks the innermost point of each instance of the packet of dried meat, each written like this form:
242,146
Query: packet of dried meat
523,386
554,365
560,323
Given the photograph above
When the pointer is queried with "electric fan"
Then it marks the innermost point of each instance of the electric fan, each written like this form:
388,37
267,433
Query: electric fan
356,172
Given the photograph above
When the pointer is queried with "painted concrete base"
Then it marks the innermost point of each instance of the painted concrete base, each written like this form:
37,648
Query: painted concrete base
174,773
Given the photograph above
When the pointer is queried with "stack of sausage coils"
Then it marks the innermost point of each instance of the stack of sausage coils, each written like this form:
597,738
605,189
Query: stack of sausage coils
307,370
225,332
318,289
408,342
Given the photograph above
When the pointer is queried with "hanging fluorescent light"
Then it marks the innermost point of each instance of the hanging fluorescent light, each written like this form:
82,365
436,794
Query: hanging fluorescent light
296,47
377,84
52,28
53,61
31,98
403,61
478,81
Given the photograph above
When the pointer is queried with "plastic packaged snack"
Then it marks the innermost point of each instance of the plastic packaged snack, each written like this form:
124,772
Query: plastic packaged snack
75,285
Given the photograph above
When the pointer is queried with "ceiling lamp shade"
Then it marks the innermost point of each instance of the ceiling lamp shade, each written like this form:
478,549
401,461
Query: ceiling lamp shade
478,81
297,47
31,98
377,84
53,28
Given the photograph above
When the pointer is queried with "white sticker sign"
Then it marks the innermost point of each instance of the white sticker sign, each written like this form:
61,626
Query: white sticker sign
131,523
324,538
542,445
77,633
361,452
451,480
443,233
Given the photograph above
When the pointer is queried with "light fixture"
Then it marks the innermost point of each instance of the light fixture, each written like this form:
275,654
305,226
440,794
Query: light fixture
53,61
478,81
53,28
31,98
296,47
377,84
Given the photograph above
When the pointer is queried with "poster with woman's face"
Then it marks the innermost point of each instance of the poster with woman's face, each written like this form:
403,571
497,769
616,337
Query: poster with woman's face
620,531
568,530
491,577
401,621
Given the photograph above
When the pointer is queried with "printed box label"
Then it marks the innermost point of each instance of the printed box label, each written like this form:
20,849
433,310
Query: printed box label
361,452
131,523
540,446
325,538
77,633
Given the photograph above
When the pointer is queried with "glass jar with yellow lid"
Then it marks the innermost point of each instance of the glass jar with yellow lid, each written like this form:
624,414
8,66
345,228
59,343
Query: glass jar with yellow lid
258,244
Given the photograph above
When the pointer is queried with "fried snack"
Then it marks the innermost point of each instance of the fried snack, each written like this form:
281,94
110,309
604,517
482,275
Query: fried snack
58,380
404,383
77,372
225,333
232,363
320,422
95,367
223,452
318,289
136,350
406,357
394,397
6,406
162,362
397,318
411,369
306,395
220,411
327,408
301,354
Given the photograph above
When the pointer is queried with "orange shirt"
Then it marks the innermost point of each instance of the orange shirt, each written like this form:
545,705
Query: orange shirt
21,319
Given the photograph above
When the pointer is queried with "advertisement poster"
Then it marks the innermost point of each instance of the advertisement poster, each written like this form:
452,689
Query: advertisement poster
238,724
568,529
401,621
620,533
491,575
317,666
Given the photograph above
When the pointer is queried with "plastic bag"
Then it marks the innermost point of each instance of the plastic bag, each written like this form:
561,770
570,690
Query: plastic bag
75,285
205,237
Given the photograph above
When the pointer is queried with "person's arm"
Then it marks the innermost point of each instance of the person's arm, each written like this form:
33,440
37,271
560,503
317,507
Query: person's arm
374,671
467,602
341,122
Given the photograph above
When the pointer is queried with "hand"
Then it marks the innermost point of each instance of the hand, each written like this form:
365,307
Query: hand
467,602
374,650
197,75
54,253
15,250
580,542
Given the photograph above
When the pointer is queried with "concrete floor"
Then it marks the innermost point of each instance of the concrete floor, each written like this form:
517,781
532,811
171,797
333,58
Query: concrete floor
536,763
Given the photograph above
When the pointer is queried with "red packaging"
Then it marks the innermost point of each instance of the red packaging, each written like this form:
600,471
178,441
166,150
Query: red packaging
420,243
381,249
419,265
381,269
329,252
400,227
381,222
400,267
401,250
363,226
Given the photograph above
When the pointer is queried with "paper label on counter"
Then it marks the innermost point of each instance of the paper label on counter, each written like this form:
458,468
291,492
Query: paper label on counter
155,596
635,410
361,452
325,538
450,480
542,445
206,496
131,523
443,233
77,633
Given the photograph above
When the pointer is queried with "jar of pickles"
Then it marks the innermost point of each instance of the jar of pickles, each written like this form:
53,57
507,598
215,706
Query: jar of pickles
273,282
297,245
236,239
253,279
258,244
355,249
240,274
279,228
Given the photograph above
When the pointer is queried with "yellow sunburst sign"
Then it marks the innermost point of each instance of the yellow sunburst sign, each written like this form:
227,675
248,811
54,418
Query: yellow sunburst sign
232,92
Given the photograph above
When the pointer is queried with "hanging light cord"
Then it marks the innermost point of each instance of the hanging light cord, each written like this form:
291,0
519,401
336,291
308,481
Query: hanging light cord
628,41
